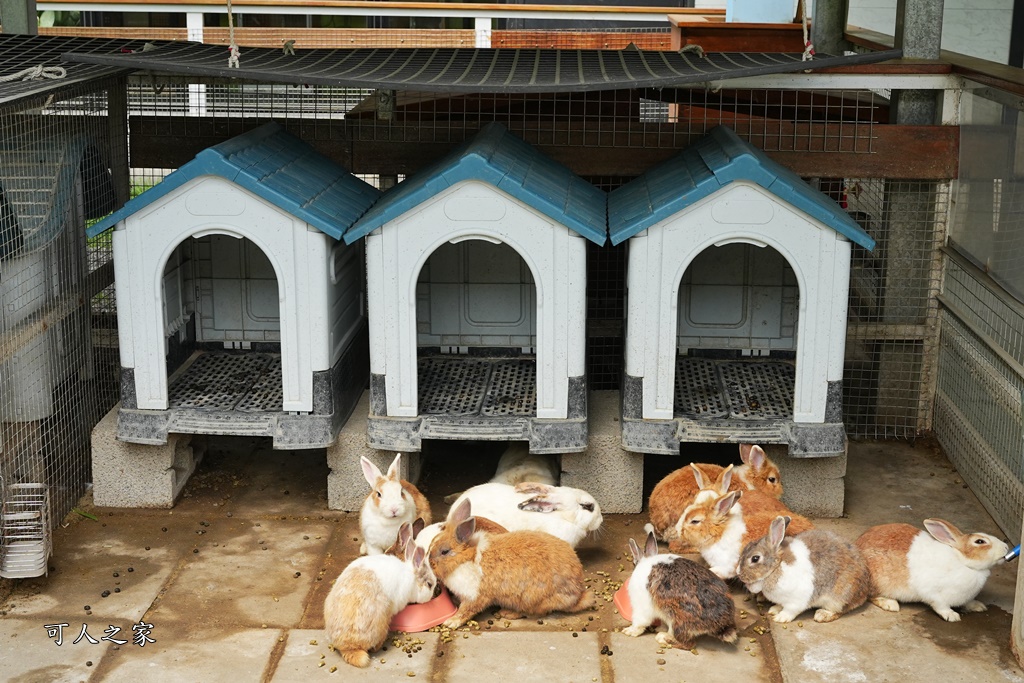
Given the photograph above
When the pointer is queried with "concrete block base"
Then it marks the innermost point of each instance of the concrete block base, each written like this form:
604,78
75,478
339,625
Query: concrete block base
134,475
613,475
815,487
346,486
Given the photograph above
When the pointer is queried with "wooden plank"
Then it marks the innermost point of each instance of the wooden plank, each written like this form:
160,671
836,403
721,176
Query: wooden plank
608,149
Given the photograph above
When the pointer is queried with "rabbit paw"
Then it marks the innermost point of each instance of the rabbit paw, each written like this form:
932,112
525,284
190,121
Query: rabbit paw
888,604
975,606
823,616
634,630
947,613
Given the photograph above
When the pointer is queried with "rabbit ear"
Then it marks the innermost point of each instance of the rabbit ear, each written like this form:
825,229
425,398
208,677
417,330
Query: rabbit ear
755,458
540,504
698,476
370,471
417,526
725,503
777,531
465,530
415,553
533,487
461,513
723,481
651,547
405,535
943,532
635,551
395,464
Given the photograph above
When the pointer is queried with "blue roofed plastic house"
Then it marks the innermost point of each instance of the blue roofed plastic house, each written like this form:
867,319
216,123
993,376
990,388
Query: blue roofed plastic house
738,279
240,309
476,278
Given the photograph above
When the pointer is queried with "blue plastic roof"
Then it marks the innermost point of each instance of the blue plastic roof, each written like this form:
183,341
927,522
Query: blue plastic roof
702,169
280,168
499,158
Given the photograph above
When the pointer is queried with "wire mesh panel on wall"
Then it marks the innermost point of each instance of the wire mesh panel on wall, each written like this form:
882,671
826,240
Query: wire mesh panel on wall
888,377
58,343
978,413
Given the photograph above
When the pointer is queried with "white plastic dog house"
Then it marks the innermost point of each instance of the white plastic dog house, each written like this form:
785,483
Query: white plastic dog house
736,315
476,275
240,311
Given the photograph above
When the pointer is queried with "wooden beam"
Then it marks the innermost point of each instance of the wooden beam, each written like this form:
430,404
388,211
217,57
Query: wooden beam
613,149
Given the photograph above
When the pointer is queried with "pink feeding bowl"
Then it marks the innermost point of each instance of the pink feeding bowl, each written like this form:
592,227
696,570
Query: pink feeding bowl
621,600
422,616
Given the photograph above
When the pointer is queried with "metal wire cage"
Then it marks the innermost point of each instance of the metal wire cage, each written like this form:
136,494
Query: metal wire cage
58,152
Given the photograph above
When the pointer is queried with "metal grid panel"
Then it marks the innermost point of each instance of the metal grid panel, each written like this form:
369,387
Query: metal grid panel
463,386
978,420
247,382
757,390
891,341
606,301
62,165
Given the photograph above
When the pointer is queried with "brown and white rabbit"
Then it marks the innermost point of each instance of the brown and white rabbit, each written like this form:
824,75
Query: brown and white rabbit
523,572
368,594
720,528
941,567
816,568
392,503
683,595
675,492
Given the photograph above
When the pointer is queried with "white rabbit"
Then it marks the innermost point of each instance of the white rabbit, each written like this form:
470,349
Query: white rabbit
568,513
392,503
368,594
943,568
518,465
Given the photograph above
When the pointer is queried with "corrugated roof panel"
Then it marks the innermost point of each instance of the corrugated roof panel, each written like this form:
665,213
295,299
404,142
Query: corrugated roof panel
503,160
278,167
703,168
473,70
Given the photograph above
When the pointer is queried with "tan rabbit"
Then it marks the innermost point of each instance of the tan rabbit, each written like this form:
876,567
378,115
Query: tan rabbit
720,528
523,572
368,594
941,566
675,492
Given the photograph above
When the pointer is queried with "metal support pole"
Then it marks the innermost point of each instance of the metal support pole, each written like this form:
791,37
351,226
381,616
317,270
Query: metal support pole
19,16
828,26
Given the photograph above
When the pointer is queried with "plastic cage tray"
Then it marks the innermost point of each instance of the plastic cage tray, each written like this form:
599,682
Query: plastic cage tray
461,386
244,382
730,389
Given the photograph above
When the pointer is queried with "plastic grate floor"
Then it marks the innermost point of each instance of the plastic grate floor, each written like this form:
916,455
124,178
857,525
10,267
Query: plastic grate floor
246,382
756,390
477,386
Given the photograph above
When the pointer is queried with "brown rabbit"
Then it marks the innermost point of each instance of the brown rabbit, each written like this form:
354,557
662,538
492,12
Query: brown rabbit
683,595
676,491
523,572
720,528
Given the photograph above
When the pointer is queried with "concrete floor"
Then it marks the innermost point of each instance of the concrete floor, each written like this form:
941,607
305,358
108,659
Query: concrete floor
231,584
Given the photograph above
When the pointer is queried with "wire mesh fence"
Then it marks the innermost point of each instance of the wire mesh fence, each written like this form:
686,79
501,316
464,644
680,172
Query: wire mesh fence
57,378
